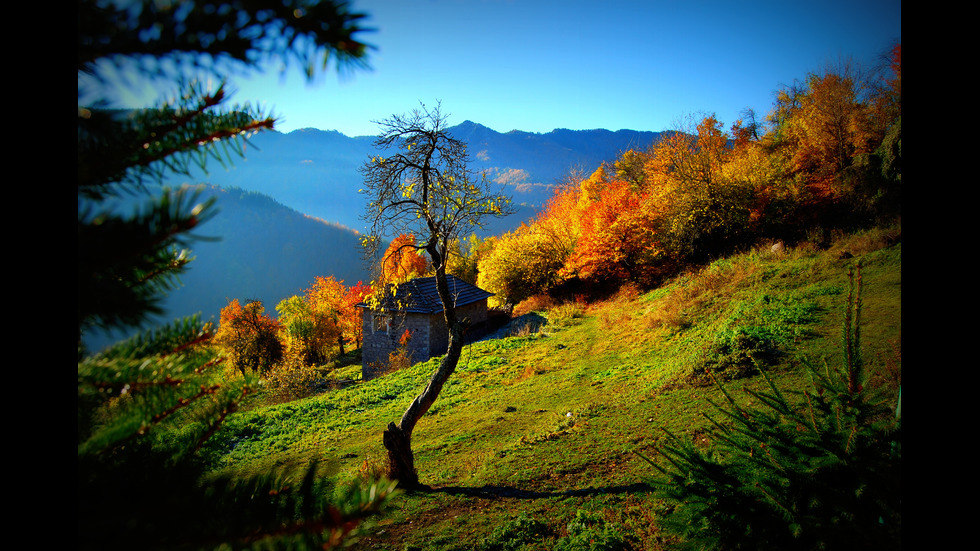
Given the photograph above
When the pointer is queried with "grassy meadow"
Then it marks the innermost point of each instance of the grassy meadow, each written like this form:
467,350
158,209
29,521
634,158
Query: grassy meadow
533,442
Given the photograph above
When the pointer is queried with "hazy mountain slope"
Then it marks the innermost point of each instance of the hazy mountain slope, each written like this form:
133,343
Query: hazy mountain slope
267,251
264,251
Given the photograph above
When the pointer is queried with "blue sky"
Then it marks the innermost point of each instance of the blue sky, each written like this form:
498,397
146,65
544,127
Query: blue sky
536,65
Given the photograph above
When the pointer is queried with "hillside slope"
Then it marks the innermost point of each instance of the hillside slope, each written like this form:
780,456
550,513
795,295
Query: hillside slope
539,430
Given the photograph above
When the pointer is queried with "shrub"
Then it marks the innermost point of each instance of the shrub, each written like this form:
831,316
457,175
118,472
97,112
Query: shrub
292,379
536,303
736,352
401,357
565,314
515,534
591,532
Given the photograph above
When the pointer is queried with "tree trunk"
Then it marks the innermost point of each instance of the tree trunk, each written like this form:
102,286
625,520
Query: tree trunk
398,438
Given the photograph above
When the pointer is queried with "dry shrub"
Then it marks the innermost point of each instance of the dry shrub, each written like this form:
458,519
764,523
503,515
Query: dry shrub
400,359
609,320
536,303
805,249
713,282
526,330
372,469
292,379
563,314
628,292
868,241
528,372
668,312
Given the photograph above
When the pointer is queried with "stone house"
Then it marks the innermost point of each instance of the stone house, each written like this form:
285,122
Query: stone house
415,306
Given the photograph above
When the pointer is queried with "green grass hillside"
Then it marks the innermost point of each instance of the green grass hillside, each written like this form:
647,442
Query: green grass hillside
533,441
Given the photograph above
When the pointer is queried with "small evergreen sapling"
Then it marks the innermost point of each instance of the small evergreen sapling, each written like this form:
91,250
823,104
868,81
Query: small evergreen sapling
823,474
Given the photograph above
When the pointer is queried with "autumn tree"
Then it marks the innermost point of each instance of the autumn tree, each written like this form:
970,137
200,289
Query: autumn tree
619,238
630,167
528,260
307,332
703,213
326,298
829,128
519,265
249,337
320,323
561,222
402,260
420,184
464,257
352,316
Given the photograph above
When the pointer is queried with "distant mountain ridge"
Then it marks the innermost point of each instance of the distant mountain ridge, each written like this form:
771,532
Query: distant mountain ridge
316,172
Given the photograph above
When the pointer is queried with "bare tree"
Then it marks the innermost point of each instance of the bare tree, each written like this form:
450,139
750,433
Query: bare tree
424,187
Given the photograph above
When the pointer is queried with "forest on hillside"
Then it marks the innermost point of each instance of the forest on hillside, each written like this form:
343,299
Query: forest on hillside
828,156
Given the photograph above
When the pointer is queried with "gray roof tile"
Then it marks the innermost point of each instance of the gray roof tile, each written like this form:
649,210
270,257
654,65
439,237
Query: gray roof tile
419,295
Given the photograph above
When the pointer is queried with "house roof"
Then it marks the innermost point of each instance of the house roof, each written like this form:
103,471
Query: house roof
419,295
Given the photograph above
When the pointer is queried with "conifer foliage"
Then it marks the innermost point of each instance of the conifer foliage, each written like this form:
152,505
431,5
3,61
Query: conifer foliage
820,472
146,405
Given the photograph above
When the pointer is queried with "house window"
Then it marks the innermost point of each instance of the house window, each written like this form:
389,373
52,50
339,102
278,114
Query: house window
382,323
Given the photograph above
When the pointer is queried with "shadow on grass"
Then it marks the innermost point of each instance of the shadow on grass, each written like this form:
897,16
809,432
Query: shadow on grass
496,492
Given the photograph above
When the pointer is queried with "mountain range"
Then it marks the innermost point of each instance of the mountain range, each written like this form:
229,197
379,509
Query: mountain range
316,171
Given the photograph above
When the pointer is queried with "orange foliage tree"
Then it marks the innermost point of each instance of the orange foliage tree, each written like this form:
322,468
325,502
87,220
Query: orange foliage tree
319,324
618,240
825,123
402,260
327,298
352,316
248,336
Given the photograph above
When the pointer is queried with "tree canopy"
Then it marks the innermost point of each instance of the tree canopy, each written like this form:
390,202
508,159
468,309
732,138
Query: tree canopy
420,185
424,186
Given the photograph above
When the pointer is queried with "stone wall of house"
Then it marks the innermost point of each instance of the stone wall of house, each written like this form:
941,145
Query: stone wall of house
381,333
381,339
429,335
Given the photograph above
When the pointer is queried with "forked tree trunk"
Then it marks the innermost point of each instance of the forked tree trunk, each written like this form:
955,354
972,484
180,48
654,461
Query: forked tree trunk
397,439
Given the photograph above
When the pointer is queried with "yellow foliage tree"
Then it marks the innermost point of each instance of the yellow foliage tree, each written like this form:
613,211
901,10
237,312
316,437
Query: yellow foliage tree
703,210
520,264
